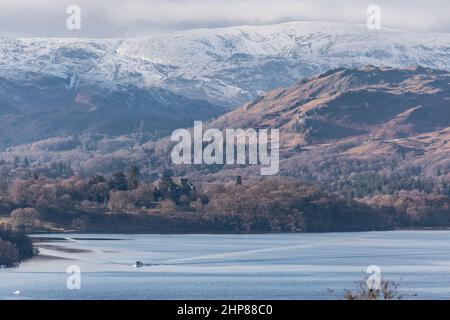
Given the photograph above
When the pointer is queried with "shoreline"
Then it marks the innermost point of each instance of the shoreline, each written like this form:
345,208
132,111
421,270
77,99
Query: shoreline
41,235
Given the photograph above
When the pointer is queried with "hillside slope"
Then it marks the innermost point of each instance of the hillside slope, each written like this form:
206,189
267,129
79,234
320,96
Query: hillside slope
334,128
44,106
369,102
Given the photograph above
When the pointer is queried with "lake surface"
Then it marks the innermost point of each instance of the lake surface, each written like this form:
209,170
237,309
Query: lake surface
273,266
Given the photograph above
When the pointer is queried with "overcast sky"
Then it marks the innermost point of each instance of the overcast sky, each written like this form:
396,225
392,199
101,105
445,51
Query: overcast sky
133,18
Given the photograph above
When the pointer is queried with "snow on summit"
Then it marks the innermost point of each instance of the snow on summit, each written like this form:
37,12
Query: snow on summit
226,66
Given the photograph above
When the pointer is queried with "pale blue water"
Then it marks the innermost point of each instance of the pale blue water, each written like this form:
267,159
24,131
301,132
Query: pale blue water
274,266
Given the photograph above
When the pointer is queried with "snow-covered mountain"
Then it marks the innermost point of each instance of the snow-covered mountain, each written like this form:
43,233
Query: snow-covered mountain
59,87
225,66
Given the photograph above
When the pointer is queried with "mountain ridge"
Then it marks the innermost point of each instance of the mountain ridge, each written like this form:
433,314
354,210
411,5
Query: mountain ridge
379,102
225,66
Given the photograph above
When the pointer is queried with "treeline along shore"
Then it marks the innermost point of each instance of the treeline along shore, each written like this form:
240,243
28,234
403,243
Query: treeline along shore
121,203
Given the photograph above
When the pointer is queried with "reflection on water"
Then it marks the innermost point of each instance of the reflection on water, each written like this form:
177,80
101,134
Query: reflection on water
274,266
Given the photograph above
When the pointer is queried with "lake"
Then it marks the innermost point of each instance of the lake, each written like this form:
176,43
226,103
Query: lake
266,266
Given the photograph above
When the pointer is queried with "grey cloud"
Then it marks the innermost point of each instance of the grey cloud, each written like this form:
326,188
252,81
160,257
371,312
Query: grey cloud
119,18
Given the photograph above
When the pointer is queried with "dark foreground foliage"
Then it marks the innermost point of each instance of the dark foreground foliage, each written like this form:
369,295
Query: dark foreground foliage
15,247
389,290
